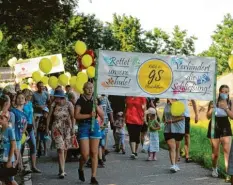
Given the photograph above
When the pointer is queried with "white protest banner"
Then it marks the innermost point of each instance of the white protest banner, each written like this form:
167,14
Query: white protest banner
150,75
25,68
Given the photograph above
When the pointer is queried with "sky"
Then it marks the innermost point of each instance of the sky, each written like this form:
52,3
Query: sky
198,17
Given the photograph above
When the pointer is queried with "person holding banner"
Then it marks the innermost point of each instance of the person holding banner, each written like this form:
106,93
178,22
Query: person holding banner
134,118
222,130
89,136
174,131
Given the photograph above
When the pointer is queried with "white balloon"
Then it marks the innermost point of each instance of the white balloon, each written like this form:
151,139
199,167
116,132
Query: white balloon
20,46
68,74
10,62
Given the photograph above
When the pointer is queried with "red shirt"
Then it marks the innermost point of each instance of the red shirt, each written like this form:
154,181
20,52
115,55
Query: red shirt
134,110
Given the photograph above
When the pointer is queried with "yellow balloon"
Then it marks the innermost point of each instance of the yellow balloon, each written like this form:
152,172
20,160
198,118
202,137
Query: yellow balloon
91,72
177,108
36,76
53,82
45,65
80,47
45,80
82,77
63,79
230,61
1,36
73,81
55,61
79,88
23,140
23,86
30,80
86,60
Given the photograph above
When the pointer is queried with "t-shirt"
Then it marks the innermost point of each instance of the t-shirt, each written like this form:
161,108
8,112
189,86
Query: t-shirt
28,110
40,99
178,127
86,105
134,110
20,123
186,112
117,103
105,104
12,120
6,137
119,124
152,123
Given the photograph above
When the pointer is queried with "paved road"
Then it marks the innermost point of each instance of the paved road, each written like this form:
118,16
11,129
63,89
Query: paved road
120,170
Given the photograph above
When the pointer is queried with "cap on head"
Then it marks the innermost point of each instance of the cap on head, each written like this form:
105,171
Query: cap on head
151,111
9,89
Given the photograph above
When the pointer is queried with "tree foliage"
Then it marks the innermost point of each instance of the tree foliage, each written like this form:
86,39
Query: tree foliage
222,44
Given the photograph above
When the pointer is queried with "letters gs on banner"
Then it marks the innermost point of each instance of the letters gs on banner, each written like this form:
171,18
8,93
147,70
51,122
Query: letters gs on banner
148,75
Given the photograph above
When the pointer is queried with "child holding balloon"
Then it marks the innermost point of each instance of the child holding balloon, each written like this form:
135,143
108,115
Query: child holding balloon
174,130
151,143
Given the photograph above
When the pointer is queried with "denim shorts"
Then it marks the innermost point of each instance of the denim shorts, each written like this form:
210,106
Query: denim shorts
85,131
103,136
18,145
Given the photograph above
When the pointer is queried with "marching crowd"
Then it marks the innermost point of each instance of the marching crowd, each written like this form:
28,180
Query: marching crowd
40,116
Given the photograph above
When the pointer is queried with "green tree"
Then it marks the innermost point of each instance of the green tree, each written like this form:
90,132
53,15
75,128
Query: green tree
26,18
127,30
222,44
178,43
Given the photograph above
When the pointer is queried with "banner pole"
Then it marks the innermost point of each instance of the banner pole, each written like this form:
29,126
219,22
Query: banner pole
213,120
94,109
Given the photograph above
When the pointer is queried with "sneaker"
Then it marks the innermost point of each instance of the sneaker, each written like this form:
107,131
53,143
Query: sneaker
228,179
132,156
215,172
94,181
173,169
136,155
143,151
188,160
177,168
101,164
154,158
36,170
81,175
149,159
123,152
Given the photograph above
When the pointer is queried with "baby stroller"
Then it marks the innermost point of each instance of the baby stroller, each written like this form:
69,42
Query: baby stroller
73,153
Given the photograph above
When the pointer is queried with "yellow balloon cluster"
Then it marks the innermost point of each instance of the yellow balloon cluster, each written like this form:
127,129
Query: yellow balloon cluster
230,61
91,72
23,86
63,80
45,80
80,47
36,76
45,65
86,60
53,82
82,77
177,108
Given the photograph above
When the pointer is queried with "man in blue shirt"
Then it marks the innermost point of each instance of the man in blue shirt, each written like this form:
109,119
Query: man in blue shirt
40,101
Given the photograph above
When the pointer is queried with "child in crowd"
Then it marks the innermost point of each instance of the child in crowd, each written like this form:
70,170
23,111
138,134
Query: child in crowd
7,146
41,131
151,143
120,133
